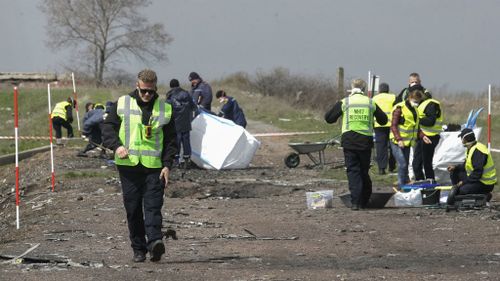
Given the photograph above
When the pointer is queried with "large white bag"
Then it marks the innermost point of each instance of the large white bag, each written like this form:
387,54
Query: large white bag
218,143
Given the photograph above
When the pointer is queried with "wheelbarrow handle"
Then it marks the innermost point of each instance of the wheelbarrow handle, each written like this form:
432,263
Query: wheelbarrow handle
333,141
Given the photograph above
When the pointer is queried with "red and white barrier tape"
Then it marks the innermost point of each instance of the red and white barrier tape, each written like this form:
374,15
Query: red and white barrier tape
31,138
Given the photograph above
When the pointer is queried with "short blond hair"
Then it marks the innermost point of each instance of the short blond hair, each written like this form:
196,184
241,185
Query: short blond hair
358,83
147,76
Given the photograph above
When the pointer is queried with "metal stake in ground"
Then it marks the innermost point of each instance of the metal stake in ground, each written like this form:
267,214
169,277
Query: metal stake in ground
75,97
489,117
16,118
53,177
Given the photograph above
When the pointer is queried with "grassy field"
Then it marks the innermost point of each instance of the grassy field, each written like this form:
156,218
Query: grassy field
33,112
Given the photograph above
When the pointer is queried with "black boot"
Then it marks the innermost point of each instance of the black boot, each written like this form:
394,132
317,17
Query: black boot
139,256
157,250
451,196
187,162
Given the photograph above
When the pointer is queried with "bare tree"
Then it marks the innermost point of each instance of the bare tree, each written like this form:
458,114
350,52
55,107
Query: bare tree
103,31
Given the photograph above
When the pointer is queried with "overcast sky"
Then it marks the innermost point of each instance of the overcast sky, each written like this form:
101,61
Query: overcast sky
453,44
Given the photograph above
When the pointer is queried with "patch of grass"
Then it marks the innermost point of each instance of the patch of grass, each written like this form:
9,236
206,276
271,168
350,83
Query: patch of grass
280,113
34,112
85,174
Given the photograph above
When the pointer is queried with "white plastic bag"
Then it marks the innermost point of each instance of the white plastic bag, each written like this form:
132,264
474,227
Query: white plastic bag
319,199
408,199
218,143
444,196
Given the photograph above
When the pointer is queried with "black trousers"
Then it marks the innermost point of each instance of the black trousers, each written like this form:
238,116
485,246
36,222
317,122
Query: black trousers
57,123
184,141
94,138
357,163
422,158
143,200
458,175
383,149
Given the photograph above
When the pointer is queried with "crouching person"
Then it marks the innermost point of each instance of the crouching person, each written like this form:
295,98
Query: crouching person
478,174
141,132
92,129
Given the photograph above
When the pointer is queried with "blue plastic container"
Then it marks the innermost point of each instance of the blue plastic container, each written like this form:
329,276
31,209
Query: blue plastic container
426,184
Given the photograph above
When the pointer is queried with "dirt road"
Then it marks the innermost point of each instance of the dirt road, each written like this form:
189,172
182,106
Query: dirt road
233,225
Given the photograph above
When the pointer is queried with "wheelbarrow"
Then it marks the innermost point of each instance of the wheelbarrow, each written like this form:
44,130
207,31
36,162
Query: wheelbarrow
292,160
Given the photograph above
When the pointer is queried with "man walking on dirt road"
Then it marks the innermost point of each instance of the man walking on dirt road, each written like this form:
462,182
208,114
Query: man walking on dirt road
357,111
141,132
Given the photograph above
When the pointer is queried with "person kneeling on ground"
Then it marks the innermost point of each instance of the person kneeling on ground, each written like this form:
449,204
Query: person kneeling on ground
92,130
477,175
231,109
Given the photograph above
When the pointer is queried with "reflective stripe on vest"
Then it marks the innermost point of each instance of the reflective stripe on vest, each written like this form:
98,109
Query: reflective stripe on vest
409,130
358,114
438,126
385,102
60,110
143,149
489,176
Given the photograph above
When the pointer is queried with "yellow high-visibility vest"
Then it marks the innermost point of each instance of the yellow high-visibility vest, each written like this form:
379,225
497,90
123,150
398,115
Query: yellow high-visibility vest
489,176
144,143
385,102
357,110
409,129
438,126
60,110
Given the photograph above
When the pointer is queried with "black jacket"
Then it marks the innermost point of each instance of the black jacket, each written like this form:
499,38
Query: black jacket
432,112
112,123
202,95
353,140
404,93
183,108
231,110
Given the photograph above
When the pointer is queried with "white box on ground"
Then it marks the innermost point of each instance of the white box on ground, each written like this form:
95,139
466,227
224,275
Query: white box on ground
218,143
411,198
319,199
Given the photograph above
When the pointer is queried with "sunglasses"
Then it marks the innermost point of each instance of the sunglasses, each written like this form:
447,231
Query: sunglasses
149,91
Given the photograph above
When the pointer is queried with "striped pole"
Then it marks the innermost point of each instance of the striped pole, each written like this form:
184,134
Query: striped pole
53,177
369,94
16,123
75,96
489,117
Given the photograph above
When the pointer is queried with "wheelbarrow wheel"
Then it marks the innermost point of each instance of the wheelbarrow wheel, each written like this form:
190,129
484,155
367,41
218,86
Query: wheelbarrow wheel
292,160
